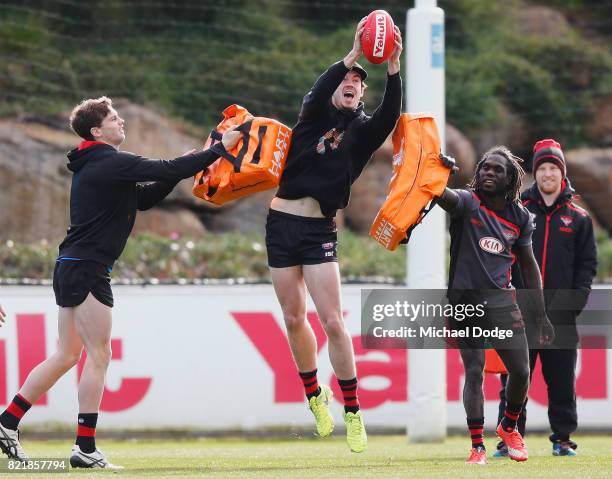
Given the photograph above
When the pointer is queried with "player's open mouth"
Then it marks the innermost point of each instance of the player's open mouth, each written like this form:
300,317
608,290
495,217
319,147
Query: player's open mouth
348,94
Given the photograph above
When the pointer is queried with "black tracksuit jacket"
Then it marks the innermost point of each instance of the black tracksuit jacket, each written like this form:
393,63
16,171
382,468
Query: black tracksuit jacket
106,193
330,147
564,247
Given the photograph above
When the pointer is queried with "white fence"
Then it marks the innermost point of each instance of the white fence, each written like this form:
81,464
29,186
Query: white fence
216,357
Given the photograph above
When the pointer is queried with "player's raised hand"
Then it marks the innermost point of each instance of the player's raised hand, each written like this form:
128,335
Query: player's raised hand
450,163
395,56
356,51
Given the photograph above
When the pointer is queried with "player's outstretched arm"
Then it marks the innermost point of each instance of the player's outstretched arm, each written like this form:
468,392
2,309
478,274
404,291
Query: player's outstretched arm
384,118
531,277
449,199
151,194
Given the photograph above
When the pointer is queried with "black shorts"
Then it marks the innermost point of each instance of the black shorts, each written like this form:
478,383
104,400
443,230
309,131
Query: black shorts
293,240
73,280
477,330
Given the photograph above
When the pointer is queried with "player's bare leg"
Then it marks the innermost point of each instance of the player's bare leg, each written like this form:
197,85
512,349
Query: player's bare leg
40,380
291,292
323,283
93,322
68,353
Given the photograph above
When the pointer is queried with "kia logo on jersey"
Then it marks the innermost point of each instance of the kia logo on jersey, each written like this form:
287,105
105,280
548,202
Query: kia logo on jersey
491,245
567,220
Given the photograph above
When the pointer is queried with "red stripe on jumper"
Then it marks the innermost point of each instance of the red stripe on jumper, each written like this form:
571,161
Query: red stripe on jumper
514,227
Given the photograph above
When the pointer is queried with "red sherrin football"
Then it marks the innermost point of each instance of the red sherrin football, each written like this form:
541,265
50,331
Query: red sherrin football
378,37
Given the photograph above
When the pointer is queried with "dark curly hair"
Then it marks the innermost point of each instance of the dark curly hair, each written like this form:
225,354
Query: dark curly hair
515,171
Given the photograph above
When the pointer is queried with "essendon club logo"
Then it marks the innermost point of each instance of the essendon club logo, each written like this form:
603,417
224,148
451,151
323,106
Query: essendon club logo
379,39
509,235
567,220
491,245
330,139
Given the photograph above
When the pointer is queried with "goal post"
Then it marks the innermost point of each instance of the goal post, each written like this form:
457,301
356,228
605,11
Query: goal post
426,249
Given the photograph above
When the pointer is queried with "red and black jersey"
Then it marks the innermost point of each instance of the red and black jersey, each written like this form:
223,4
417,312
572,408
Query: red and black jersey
482,242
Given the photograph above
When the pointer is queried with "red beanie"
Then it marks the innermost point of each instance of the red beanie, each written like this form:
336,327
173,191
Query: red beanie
548,150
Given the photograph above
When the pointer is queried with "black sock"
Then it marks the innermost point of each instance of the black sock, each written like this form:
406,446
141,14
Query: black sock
86,432
511,415
476,427
14,412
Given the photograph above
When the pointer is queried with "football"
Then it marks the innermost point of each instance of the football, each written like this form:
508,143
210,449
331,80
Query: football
377,39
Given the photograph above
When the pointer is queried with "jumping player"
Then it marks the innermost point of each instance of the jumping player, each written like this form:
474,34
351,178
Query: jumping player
489,229
104,198
332,142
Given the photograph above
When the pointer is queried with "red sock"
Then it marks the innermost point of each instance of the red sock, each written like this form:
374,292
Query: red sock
349,392
14,412
311,384
476,427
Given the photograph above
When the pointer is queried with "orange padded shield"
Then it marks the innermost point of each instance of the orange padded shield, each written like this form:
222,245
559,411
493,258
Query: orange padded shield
493,363
418,177
255,164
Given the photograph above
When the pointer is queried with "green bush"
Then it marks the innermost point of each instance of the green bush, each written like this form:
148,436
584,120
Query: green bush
216,256
604,257
228,255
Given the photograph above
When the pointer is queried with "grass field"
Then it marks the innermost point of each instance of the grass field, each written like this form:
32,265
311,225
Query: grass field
386,456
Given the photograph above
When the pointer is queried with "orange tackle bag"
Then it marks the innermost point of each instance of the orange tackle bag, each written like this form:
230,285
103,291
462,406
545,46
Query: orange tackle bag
493,363
418,178
255,164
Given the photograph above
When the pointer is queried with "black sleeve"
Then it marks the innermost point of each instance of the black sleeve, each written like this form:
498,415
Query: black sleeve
378,127
322,90
129,167
151,194
585,261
